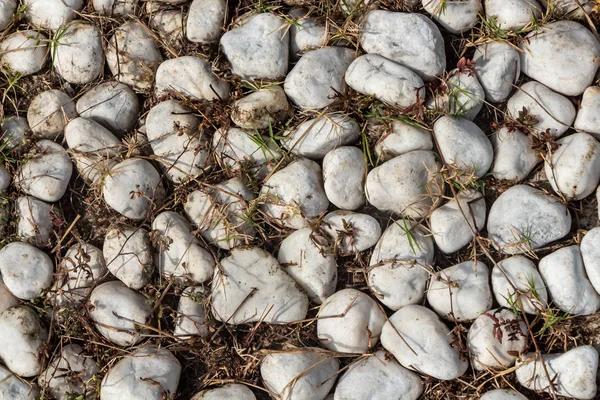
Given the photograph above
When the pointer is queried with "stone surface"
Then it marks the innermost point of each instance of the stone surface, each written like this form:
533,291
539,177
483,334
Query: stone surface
503,394
24,52
308,33
7,8
349,321
420,341
251,286
344,172
590,253
569,9
206,20
11,387
115,7
7,299
409,39
588,116
351,232
498,67
261,109
51,14
191,315
398,137
26,270
128,255
318,76
514,156
463,97
49,112
79,57
226,392
34,220
513,14
455,17
169,24
561,56
14,131
523,219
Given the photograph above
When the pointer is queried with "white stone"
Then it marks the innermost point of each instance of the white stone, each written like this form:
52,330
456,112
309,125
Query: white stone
70,374
169,24
311,264
455,17
398,138
318,136
259,48
261,109
514,156
308,33
349,321
463,144
226,392
176,140
573,373
523,219
180,253
118,312
374,75
206,20
4,178
569,9
295,194
407,184
251,286
132,188
344,173
454,224
503,394
115,7
567,283
23,338
398,270
561,56
515,281
192,77
513,14
378,377
351,232
128,255
13,388
49,113
34,220
550,110
14,131
26,270
588,116
420,341
24,52
409,39
78,57
495,340
112,104
573,169
149,373
132,55
51,14
318,77
7,9
498,67
303,374
464,95
7,299
590,252
191,316
461,292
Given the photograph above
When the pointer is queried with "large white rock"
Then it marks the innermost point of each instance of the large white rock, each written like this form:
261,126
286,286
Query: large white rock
503,394
374,75
420,341
463,144
302,374
206,20
349,321
192,77
51,14
128,255
179,253
523,219
567,283
34,220
495,340
514,156
191,315
407,184
398,137
295,194
251,286
49,112
398,270
344,172
176,140
588,116
573,169
454,224
24,52
7,8
26,270
455,17
572,374
351,232
261,109
498,67
132,55
259,48
112,104
590,252
562,56
549,110
70,374
119,312
461,292
23,338
311,264
78,57
226,392
11,387
7,299
115,7
308,33
149,373
516,280
378,377
513,14
318,77
410,39
132,188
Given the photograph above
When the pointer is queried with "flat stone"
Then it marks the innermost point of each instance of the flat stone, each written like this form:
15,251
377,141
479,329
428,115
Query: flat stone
344,171
11,387
513,14
226,392
26,270
78,57
455,17
261,109
128,255
498,68
206,20
34,220
49,112
51,14
351,232
191,316
514,156
398,137
308,33
24,52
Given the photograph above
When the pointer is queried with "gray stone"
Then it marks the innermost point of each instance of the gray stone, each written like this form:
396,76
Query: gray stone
226,392
588,116
78,57
51,14
7,299
398,137
206,20
24,52
513,14
14,132
514,156
569,9
128,255
344,172
115,7
4,178
11,387
261,109
498,67
49,112
455,17
112,104
26,270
